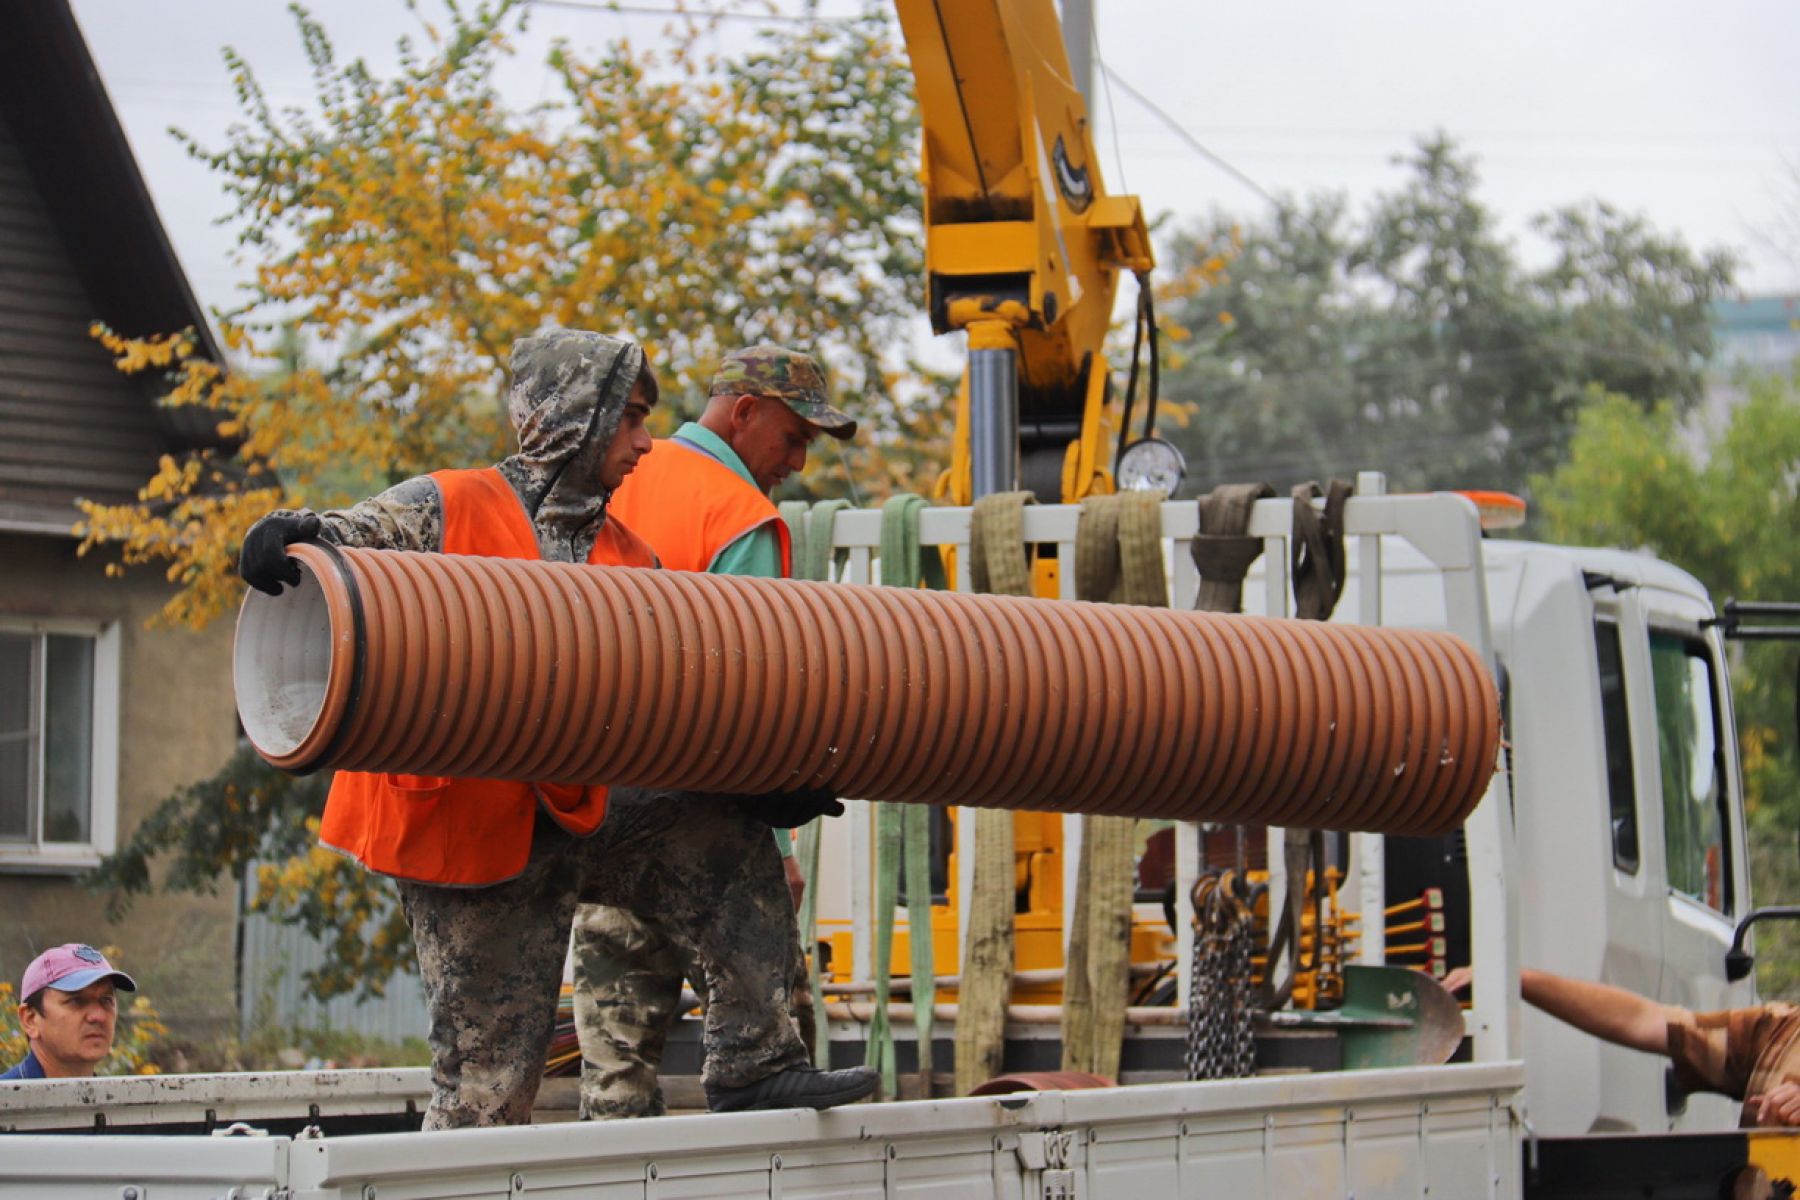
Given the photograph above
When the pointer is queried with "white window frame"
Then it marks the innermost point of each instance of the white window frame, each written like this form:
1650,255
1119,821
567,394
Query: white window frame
103,801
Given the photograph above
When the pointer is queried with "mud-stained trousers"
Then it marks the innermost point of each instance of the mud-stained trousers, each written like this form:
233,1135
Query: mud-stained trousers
628,974
492,958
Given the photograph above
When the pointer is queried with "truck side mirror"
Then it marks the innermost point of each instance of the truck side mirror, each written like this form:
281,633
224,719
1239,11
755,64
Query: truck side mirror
1739,961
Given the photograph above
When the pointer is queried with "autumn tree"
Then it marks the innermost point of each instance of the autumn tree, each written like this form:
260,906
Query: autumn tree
408,227
413,227
1412,339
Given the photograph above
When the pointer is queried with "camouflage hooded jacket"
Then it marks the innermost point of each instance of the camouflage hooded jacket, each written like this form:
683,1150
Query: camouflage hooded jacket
568,395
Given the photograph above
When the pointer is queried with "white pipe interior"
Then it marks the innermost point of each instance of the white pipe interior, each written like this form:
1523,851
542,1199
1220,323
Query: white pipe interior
280,662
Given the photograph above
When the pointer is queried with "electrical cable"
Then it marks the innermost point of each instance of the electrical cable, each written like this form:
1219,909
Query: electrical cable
601,8
849,475
1452,362
1112,110
1144,327
1131,381
1193,142
1147,297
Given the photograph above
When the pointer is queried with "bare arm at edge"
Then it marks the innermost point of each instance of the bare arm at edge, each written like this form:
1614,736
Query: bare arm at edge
1608,1013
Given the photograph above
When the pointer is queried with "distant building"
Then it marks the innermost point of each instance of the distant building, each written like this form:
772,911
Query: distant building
1759,332
100,717
1758,335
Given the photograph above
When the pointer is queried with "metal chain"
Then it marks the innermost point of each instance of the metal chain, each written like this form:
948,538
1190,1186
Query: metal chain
1220,1040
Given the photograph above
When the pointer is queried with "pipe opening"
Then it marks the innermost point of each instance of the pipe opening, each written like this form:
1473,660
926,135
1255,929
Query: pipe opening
282,664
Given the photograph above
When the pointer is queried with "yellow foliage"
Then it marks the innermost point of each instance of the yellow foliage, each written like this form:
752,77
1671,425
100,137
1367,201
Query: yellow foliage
414,229
13,1044
132,355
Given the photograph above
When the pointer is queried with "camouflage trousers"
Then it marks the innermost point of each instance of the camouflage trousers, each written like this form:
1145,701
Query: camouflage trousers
628,975
491,958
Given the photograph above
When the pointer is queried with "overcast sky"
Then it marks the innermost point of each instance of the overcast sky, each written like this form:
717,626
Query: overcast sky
1686,113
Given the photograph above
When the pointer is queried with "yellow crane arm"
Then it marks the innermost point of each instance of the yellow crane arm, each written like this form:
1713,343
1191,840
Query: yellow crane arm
1022,244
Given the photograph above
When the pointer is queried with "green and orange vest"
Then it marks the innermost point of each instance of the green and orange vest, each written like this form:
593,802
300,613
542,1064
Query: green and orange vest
690,506
468,832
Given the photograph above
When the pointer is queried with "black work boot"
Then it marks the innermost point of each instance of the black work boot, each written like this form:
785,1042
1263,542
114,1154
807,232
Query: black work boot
796,1087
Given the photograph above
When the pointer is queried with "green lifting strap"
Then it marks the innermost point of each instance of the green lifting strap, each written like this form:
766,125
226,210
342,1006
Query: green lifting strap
808,854
999,564
916,565
1118,550
879,1053
793,514
812,560
1118,559
1002,562
900,839
916,825
820,558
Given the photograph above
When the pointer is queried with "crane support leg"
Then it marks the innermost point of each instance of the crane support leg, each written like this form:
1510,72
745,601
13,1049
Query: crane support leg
993,407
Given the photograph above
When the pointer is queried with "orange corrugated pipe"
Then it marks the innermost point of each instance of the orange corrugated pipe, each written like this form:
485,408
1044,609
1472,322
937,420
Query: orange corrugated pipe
452,665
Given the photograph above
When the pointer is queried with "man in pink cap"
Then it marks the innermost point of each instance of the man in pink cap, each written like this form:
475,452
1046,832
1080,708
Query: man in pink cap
69,1012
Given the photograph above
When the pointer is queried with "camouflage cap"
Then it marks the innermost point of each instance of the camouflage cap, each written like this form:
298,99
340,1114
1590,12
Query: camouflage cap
783,374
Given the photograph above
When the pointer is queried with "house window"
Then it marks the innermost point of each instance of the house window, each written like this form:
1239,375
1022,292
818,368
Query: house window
58,744
1693,773
1615,723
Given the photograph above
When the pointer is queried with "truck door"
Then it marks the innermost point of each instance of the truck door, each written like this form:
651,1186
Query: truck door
1634,900
1634,906
1702,837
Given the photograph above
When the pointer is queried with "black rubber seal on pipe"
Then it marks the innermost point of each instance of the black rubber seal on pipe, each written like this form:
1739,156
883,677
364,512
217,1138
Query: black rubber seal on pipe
360,639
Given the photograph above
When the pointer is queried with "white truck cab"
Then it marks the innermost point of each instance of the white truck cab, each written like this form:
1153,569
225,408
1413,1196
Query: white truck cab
1630,861
1632,849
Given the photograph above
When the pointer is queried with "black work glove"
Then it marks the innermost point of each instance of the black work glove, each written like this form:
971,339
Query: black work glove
790,810
263,562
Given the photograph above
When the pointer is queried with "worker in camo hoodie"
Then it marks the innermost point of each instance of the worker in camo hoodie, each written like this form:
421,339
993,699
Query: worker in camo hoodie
489,873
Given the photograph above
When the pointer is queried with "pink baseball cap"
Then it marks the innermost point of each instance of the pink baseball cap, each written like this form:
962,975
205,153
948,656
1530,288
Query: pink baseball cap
69,968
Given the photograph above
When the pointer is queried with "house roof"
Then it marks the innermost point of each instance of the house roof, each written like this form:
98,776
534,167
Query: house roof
80,241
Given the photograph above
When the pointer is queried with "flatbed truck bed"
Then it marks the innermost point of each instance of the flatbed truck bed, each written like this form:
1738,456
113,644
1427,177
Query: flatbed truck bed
1447,1131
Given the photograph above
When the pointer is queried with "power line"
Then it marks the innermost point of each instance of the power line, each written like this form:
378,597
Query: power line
1585,136
1112,110
1192,142
603,8
1448,363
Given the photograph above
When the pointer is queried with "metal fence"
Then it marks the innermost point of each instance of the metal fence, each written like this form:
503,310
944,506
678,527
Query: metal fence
274,962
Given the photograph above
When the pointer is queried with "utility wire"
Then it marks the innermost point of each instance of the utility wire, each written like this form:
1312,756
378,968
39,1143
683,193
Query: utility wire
603,8
1192,141
1112,110
1370,372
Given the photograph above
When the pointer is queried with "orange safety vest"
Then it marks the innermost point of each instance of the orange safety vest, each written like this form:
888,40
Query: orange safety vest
468,832
691,506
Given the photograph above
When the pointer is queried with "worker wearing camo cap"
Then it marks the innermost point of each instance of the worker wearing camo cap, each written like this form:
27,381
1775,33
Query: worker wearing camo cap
701,499
69,1013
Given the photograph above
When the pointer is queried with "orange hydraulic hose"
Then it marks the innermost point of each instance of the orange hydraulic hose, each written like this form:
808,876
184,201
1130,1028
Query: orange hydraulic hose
447,665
